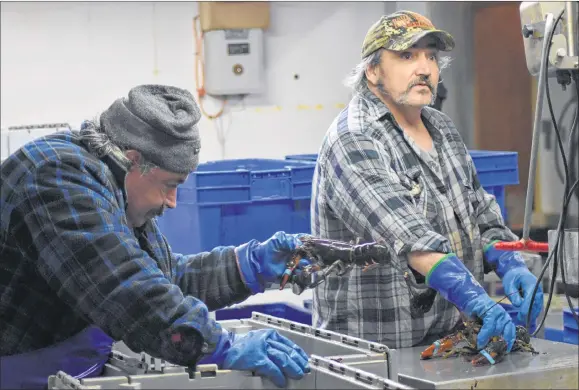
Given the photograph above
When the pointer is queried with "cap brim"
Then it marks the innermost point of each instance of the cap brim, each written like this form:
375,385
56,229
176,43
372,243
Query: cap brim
445,41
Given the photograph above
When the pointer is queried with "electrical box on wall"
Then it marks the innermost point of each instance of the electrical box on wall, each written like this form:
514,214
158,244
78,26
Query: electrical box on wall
233,61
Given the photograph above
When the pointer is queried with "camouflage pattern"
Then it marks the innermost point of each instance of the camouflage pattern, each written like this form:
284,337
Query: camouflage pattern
400,30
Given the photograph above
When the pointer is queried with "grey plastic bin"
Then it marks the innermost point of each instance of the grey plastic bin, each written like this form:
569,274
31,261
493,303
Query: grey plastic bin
325,374
338,361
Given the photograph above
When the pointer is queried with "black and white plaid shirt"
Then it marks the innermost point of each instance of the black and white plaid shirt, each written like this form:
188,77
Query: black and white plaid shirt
373,183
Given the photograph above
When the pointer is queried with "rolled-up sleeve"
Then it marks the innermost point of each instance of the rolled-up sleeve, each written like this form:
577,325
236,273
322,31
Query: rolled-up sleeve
488,212
368,196
90,257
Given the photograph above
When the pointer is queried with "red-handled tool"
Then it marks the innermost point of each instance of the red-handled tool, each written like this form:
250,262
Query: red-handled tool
523,245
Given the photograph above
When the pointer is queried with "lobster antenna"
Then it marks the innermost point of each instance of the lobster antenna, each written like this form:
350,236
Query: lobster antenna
499,301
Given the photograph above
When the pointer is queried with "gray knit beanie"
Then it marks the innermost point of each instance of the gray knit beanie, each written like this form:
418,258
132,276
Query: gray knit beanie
160,122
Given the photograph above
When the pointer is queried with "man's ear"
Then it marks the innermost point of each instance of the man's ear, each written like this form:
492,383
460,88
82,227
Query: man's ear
134,156
372,74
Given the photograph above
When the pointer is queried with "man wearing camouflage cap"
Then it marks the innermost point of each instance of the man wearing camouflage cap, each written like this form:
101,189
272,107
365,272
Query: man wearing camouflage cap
393,170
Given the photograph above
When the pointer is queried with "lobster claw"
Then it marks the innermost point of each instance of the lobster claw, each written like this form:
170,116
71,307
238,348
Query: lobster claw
370,265
437,348
341,268
297,289
308,278
445,346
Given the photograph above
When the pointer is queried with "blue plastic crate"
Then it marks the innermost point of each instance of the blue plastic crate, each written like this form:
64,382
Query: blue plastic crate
568,319
570,336
495,170
280,310
230,202
553,334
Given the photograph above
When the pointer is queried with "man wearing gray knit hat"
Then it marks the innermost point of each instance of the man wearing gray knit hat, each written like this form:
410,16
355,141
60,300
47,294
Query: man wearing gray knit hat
83,263
160,122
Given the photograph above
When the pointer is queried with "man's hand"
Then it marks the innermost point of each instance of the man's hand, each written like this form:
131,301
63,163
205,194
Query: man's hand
262,264
456,284
496,321
512,269
263,351
521,279
268,354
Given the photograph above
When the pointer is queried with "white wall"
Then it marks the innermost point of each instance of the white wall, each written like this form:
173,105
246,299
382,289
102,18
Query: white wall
68,61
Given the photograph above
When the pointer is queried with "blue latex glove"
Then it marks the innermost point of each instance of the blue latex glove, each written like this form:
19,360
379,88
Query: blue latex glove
263,351
456,284
511,268
261,264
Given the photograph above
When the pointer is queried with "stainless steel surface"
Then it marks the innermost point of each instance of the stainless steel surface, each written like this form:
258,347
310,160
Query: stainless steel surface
535,139
555,367
569,253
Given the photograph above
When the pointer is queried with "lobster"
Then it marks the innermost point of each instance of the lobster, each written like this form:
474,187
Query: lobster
337,257
463,342
327,257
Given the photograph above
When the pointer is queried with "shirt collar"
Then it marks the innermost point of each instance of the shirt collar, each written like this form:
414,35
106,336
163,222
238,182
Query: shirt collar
378,108
119,172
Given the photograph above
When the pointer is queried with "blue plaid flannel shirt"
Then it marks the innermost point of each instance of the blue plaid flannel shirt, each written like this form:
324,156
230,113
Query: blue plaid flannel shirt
68,259
372,183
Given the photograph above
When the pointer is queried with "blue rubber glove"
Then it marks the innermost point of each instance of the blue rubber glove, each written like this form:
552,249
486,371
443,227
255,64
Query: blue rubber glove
263,351
511,268
457,285
262,264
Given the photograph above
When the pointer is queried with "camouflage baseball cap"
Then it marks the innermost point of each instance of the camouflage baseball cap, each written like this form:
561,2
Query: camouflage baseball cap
400,30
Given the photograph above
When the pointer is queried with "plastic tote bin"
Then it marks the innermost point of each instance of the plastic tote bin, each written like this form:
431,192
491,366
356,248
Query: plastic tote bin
495,170
553,334
570,331
230,202
568,319
280,310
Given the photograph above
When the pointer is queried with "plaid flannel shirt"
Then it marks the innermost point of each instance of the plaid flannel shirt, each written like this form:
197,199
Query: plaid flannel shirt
372,183
69,259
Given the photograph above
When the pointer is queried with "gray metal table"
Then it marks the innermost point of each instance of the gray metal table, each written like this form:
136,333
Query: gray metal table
556,366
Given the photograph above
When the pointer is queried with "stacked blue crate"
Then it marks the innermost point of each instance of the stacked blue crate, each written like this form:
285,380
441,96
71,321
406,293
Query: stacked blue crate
570,328
230,202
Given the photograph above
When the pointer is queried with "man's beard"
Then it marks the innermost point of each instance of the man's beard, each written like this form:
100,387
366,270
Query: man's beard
156,212
403,99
